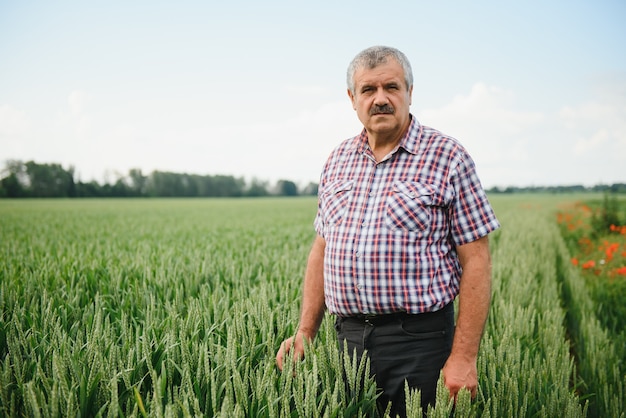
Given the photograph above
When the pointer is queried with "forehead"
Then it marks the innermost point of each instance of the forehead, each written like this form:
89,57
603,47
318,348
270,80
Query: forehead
390,71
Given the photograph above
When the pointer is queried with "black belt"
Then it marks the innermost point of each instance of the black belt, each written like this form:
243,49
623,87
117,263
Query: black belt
380,319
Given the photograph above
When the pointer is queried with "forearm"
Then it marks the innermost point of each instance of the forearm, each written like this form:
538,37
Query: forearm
474,301
313,305
460,370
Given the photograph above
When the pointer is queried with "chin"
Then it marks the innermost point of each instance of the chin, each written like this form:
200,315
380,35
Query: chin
383,126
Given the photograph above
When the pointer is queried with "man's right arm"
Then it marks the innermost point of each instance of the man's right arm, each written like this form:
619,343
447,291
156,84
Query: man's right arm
313,306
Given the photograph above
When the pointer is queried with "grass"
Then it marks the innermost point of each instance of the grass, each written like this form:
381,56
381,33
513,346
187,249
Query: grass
176,307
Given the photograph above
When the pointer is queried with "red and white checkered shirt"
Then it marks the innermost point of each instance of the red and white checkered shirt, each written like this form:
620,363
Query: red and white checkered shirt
391,227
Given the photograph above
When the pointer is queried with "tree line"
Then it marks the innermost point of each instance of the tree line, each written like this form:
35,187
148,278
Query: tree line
31,179
577,188
36,180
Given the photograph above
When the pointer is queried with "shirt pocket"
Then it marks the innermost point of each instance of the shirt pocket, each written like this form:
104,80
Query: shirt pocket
334,201
409,206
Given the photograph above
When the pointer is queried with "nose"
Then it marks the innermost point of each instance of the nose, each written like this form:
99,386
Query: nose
380,98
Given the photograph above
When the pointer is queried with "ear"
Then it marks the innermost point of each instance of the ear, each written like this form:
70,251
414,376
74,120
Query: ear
352,99
411,96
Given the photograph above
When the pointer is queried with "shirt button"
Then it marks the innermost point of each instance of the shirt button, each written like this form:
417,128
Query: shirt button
359,286
357,254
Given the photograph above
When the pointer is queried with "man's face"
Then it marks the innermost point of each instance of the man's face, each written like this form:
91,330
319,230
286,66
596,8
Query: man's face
381,98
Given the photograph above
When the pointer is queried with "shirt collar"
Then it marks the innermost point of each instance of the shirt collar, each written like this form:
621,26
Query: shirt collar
410,141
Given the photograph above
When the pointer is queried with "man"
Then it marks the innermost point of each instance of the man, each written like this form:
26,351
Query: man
402,226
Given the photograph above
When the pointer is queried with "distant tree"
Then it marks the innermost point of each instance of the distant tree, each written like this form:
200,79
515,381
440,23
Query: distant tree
166,184
91,189
10,187
606,215
256,188
287,188
137,181
14,181
50,180
71,185
228,186
618,188
204,185
601,188
31,179
120,189
163,184
188,186
310,189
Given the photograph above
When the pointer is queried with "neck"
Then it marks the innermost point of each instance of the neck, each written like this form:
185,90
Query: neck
382,143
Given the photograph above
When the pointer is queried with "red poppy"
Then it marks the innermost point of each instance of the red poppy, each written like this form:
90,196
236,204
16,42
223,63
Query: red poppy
589,264
610,250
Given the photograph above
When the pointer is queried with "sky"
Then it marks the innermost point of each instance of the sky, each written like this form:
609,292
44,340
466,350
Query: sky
535,90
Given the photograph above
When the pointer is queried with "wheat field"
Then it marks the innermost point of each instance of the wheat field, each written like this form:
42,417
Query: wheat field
176,307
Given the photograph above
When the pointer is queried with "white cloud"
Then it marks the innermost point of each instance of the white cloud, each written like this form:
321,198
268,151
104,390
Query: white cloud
76,101
583,143
579,144
77,119
179,140
307,90
486,122
294,148
586,146
15,128
47,137
499,136
13,123
599,128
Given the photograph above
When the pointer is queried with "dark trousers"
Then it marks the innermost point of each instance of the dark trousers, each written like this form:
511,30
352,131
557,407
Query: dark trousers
401,347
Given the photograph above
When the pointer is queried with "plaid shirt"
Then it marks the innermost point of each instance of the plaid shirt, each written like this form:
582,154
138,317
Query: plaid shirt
391,227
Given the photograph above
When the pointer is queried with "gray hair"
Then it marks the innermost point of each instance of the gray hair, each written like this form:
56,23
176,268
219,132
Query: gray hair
374,56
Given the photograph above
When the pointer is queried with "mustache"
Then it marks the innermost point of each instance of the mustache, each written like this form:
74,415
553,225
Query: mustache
384,110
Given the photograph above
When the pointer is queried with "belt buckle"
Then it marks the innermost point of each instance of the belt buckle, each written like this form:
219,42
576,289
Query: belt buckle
370,319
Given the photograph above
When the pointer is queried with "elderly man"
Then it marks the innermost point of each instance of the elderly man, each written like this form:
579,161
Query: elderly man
402,230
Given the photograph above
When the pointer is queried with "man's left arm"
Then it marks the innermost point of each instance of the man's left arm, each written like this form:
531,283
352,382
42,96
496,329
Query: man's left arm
460,370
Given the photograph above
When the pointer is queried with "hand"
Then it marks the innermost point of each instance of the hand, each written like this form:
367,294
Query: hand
295,343
459,373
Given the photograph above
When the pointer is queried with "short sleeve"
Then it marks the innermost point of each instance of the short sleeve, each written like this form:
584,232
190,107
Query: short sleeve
471,214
